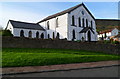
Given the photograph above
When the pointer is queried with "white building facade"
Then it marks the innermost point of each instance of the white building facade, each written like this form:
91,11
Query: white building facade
76,23
22,29
69,24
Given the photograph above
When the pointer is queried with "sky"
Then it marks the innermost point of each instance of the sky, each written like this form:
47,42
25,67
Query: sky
35,11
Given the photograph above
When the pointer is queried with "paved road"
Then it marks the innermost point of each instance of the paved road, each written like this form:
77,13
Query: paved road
96,72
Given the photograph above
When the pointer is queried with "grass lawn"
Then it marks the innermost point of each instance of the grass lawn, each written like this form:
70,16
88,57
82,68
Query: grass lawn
14,57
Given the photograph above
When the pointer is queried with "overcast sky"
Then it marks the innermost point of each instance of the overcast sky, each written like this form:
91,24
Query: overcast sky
35,11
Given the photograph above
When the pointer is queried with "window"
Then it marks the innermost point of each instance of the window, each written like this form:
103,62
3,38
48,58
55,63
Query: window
91,24
83,22
48,36
86,23
21,33
37,34
57,22
79,22
73,33
30,34
53,35
42,36
48,27
82,12
73,20
58,35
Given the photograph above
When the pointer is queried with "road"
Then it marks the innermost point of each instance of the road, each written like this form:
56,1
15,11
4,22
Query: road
96,72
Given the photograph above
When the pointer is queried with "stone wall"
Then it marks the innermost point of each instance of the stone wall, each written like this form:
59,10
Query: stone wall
16,42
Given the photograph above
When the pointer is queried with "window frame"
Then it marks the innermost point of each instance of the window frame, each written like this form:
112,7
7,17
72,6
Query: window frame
73,20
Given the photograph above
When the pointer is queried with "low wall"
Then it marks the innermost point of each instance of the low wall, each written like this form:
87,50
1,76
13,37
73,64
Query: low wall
16,42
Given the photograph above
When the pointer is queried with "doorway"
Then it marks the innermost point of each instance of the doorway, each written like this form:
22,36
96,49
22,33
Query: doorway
89,36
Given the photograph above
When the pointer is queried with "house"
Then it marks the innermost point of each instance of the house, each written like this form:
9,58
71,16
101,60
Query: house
76,23
107,34
23,29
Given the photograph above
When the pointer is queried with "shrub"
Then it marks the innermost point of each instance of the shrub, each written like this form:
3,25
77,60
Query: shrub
115,42
6,33
107,41
78,41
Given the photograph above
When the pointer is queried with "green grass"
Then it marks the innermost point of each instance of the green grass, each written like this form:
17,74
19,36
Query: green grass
12,57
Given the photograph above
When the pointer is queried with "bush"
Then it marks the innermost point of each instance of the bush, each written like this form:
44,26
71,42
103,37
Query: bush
115,42
107,41
6,33
78,41
111,42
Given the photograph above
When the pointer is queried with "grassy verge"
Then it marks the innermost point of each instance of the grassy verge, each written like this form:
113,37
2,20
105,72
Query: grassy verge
12,57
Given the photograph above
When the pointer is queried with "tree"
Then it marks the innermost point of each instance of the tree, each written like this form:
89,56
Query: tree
6,33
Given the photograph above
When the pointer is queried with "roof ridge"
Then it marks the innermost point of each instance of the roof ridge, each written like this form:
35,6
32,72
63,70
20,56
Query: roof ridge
61,12
22,22
25,25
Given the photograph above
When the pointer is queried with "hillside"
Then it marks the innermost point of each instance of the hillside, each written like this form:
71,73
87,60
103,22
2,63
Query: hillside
106,24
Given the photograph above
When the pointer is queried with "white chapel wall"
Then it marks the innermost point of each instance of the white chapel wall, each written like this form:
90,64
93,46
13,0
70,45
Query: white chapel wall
78,13
61,29
16,32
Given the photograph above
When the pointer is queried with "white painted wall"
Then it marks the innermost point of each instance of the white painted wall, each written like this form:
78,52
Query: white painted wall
16,32
61,29
64,26
108,34
77,13
9,27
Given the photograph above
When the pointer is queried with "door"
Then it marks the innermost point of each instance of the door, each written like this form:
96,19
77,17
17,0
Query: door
89,36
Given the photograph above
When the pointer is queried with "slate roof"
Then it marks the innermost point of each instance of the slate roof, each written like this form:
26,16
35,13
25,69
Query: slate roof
18,24
85,29
66,11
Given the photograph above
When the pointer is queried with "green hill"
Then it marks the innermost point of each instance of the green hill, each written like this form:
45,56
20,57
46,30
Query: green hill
106,24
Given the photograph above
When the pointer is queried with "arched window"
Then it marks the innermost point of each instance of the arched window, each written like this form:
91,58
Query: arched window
53,35
48,26
21,33
48,36
30,34
91,24
79,22
73,20
57,22
37,34
58,36
42,36
83,22
73,33
86,23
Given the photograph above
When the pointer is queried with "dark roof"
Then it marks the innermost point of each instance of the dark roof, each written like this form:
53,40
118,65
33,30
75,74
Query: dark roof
66,11
18,24
85,29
